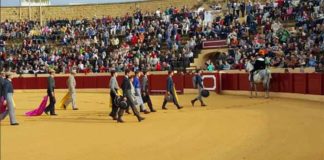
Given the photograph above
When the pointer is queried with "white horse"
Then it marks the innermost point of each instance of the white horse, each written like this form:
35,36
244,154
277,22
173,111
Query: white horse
262,76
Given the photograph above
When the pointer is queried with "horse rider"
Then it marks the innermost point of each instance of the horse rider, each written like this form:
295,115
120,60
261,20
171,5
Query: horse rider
259,64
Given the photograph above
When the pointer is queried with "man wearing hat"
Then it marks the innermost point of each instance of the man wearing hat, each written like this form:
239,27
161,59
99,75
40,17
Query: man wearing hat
259,63
8,100
200,87
50,92
72,94
171,92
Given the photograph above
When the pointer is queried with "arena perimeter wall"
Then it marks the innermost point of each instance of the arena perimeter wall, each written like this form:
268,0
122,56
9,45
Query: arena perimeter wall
303,83
45,13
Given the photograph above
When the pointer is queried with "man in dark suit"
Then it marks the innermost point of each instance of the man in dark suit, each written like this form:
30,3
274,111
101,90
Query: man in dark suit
259,64
8,100
127,93
114,87
200,87
171,92
146,92
50,92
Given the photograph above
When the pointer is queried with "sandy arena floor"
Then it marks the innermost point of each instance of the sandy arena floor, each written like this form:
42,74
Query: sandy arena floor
230,128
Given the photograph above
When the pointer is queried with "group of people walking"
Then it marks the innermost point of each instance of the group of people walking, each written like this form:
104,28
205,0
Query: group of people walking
134,91
71,95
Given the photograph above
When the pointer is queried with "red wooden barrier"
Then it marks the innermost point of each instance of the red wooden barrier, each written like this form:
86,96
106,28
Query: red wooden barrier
120,80
218,83
23,83
41,82
209,83
243,82
232,80
60,82
275,82
286,83
300,83
89,82
292,83
30,82
102,81
79,82
17,83
179,80
188,81
158,83
211,80
224,81
315,83
322,84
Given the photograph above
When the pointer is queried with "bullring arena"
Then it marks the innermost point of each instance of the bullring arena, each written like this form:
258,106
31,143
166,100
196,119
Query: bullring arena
220,37
232,126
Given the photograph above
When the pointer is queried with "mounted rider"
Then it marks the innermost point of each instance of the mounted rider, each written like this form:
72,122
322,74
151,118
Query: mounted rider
258,64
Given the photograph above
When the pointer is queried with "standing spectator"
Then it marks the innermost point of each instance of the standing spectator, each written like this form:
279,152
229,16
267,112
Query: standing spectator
242,8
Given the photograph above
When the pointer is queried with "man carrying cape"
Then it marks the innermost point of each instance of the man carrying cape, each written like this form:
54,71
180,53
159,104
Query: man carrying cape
72,93
171,92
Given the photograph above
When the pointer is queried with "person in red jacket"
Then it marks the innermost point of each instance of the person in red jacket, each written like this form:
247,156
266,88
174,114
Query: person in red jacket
134,39
158,66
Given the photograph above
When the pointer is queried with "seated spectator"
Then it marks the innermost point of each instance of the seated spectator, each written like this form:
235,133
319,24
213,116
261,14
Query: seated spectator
141,40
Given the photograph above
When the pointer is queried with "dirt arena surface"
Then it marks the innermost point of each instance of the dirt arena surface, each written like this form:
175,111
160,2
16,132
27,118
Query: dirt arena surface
230,128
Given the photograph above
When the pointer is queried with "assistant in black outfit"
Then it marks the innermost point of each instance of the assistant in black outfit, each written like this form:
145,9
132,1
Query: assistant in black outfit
50,92
259,64
127,93
170,91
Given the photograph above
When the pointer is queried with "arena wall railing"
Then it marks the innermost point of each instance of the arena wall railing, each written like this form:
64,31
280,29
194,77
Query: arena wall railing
302,83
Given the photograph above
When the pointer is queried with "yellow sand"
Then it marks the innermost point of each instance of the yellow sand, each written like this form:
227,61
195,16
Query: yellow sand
230,128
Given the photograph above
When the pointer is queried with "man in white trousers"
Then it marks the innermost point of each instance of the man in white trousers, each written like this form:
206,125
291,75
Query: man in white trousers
71,83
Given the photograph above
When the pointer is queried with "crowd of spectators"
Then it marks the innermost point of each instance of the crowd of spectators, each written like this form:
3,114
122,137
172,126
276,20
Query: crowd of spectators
255,28
144,41
167,39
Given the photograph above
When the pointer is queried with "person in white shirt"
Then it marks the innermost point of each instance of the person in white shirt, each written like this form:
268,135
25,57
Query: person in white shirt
113,29
185,26
81,66
158,12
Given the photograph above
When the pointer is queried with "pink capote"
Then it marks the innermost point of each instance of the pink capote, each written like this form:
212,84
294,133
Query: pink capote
40,110
2,107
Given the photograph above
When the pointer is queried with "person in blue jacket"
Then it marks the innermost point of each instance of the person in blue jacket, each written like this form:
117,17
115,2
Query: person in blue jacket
170,92
199,85
8,91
